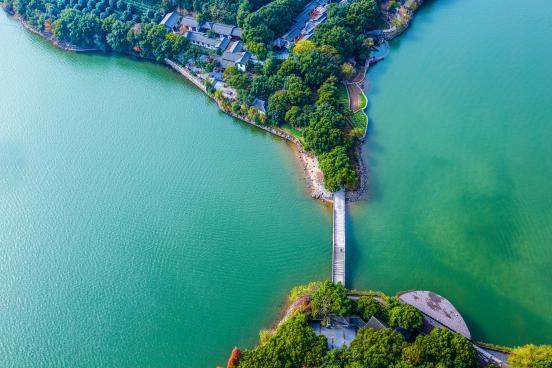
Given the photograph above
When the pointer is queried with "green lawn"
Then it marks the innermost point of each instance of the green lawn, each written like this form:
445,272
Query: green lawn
360,120
364,100
297,133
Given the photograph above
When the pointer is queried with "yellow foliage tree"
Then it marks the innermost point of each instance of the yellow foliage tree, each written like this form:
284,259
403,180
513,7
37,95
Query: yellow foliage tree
531,356
303,46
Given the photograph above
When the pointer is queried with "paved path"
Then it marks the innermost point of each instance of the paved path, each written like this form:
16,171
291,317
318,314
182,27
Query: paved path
338,255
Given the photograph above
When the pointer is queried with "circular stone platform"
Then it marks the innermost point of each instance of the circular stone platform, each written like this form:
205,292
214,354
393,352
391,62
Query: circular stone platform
437,308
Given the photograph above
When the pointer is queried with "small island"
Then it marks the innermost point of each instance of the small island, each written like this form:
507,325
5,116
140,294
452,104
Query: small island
294,68
326,325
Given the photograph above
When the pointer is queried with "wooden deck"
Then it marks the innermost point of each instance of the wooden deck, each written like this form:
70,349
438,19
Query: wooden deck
338,252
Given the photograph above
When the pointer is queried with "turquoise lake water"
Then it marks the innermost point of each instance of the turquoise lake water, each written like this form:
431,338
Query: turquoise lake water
458,154
142,227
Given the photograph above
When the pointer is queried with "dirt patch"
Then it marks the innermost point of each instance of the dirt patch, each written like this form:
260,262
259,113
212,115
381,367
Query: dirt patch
355,97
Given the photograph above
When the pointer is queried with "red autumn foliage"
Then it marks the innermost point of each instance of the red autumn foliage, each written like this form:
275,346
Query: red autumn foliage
234,358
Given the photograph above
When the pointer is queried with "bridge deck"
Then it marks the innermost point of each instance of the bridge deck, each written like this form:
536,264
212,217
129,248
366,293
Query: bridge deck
338,251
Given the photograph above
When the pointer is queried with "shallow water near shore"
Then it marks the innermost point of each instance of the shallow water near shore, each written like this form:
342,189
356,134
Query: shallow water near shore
458,156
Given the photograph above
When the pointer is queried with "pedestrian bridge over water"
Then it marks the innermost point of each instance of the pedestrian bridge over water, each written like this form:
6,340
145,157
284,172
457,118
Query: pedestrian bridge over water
338,249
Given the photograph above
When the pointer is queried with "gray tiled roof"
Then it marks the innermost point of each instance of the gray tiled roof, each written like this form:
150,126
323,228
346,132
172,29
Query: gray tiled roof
235,58
303,21
237,32
171,19
260,105
219,28
202,38
236,46
223,29
189,21
375,323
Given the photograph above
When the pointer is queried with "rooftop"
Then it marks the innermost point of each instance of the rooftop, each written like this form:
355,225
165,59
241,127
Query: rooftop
189,21
223,29
311,16
171,19
437,308
202,38
342,330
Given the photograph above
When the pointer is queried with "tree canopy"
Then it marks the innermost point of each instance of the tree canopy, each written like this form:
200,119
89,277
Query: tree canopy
406,317
330,298
377,348
294,344
447,349
367,307
531,356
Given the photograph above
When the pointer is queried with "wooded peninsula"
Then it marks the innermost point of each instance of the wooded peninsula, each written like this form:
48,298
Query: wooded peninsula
285,64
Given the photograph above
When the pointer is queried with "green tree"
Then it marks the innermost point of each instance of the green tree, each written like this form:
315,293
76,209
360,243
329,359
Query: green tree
260,87
362,15
376,348
330,114
347,71
413,354
271,65
293,115
278,105
299,117
367,307
328,93
293,345
330,299
257,48
449,349
117,38
297,92
531,356
337,37
336,358
406,317
172,46
337,169
316,67
322,137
